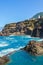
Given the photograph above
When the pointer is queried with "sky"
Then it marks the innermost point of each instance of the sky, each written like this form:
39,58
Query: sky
12,11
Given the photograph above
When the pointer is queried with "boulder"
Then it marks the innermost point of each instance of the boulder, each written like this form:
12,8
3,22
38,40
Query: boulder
4,60
35,48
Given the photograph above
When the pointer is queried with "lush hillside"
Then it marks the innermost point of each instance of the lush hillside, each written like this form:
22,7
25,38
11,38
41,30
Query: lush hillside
33,27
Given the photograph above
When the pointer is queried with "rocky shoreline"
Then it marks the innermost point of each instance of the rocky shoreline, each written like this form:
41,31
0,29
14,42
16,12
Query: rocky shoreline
33,28
4,60
34,48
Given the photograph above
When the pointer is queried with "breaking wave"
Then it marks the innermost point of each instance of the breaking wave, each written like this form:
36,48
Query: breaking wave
3,44
40,40
8,51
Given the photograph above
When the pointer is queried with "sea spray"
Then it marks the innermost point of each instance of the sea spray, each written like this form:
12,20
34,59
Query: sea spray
9,51
3,45
40,40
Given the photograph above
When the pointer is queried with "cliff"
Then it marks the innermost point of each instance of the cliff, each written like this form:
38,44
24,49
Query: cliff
33,27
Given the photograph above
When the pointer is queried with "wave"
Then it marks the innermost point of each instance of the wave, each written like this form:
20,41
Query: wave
3,44
40,40
8,38
16,49
11,39
8,51
28,36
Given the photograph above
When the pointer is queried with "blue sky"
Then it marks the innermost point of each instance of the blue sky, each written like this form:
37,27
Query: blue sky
18,10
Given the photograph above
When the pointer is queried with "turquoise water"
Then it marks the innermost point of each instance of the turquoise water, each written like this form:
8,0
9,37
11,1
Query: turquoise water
10,43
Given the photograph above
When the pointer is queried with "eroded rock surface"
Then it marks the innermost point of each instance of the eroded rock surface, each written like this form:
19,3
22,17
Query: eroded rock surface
32,27
35,48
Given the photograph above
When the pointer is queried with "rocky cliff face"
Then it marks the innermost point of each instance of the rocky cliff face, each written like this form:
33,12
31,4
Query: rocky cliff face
33,27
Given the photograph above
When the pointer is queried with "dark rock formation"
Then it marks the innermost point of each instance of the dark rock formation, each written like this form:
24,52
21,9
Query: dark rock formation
38,30
4,60
35,48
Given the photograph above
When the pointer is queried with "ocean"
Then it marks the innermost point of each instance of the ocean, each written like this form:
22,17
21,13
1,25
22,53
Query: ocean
19,57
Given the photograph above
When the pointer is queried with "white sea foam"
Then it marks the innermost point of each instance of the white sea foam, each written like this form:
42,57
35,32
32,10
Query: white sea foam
16,49
3,44
7,51
28,36
8,38
11,35
40,40
11,39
